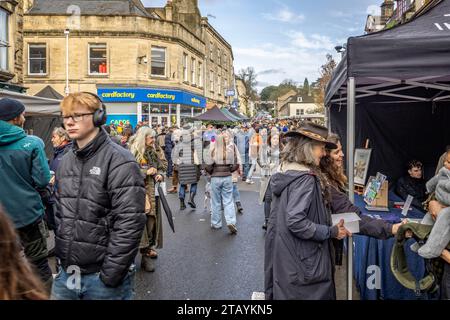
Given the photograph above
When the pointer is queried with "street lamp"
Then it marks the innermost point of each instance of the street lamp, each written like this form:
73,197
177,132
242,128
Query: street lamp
341,49
67,89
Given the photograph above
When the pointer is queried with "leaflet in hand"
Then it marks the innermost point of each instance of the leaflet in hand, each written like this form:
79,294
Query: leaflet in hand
351,221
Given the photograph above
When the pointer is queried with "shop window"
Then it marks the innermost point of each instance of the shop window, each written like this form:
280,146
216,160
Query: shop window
219,57
4,17
98,59
37,59
158,61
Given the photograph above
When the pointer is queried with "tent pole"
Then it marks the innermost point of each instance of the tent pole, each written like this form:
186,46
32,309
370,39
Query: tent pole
328,120
351,90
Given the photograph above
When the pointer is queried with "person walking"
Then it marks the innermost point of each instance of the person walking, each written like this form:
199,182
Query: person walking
168,143
223,162
254,146
61,145
242,140
100,216
188,167
153,165
298,249
269,163
24,173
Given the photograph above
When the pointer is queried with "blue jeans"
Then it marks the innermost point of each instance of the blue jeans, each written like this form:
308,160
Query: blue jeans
222,189
91,287
236,194
246,169
251,170
182,192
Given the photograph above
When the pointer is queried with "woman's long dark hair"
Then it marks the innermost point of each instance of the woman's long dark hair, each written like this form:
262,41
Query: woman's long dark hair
17,280
335,175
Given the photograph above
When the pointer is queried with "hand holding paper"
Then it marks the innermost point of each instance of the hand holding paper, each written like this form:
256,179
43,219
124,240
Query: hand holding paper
351,221
342,231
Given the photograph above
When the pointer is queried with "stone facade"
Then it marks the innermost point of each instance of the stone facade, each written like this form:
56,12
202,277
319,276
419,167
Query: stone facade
128,38
13,74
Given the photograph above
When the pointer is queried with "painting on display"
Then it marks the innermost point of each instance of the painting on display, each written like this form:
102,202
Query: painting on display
362,160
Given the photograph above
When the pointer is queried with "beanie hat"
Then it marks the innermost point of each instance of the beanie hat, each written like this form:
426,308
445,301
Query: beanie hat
10,109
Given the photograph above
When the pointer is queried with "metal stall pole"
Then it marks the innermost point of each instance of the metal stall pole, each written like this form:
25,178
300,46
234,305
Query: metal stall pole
351,88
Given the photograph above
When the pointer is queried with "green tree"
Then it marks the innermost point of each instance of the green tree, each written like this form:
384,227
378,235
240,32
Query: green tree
306,89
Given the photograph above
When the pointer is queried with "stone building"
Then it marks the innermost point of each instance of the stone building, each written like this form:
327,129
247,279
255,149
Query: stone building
11,45
149,64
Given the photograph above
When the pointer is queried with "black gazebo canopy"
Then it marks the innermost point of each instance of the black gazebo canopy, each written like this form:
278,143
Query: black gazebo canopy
399,80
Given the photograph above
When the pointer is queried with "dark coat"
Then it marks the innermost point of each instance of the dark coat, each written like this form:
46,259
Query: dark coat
100,209
168,146
188,169
58,154
368,226
299,255
411,186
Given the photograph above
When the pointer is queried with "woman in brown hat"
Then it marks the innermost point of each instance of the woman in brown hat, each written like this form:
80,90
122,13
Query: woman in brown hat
298,248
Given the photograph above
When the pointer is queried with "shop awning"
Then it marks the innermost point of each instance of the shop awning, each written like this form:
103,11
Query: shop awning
34,105
237,114
230,115
213,114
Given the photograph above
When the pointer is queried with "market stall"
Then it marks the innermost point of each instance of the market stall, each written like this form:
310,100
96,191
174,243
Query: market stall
393,88
42,115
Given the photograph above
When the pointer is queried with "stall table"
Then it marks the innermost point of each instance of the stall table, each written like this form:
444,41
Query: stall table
371,260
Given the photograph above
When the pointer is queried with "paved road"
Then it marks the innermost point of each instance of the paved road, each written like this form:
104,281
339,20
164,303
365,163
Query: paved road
200,263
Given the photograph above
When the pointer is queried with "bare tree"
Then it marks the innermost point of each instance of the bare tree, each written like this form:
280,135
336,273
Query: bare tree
248,76
326,72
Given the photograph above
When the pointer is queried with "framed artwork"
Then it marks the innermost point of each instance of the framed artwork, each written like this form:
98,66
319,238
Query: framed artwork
362,160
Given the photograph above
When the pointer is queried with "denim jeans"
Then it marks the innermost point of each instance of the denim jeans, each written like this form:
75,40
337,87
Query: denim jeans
91,287
222,189
236,194
182,192
246,169
251,170
169,165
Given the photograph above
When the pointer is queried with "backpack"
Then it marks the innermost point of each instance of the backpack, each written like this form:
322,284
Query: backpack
399,266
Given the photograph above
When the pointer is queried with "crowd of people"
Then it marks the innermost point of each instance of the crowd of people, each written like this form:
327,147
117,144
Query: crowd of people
99,195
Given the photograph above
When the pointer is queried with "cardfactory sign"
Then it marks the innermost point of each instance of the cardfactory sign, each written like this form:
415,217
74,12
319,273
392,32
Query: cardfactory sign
151,95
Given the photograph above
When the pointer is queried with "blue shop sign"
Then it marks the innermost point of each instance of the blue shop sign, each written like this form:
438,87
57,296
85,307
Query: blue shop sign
151,95
122,119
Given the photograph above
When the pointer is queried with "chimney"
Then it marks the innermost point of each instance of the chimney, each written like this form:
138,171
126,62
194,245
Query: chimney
169,10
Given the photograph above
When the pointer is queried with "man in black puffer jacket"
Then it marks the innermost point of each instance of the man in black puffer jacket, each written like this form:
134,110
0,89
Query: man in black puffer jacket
100,208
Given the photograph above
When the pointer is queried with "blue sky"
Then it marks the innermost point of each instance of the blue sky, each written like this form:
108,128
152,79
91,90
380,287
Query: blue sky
284,39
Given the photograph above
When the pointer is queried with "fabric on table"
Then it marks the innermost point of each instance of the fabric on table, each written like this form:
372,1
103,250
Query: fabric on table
369,254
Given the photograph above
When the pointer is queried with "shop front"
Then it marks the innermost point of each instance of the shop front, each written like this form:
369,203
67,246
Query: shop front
156,106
